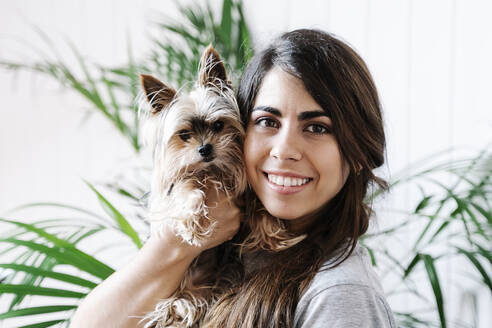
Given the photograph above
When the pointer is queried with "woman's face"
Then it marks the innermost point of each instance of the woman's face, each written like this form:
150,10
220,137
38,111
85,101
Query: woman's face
292,158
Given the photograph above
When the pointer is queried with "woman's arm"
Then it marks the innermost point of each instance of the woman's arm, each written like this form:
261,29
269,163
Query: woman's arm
152,275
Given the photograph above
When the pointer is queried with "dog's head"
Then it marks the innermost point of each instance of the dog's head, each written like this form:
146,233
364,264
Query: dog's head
197,131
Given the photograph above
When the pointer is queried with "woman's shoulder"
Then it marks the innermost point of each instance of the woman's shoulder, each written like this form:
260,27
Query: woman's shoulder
348,294
355,270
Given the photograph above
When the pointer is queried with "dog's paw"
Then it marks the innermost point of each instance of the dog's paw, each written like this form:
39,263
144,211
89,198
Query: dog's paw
177,312
195,230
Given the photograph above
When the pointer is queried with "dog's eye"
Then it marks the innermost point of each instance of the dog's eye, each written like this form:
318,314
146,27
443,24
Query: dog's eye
218,126
184,135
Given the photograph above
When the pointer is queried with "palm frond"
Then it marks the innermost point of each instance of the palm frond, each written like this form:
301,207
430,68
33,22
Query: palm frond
457,212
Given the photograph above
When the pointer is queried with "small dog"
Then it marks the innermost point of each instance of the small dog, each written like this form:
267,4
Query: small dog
197,143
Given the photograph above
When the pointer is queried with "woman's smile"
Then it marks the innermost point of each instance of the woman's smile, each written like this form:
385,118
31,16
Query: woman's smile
285,182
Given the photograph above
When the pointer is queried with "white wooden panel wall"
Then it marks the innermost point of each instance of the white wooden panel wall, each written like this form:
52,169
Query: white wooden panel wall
430,59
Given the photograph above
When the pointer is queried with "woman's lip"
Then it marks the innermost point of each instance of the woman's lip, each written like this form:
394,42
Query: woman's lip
287,174
283,189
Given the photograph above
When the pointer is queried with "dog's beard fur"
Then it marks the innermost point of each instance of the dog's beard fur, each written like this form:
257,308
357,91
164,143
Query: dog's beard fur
181,176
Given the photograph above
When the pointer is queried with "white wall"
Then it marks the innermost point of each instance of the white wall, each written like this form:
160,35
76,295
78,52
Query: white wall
430,60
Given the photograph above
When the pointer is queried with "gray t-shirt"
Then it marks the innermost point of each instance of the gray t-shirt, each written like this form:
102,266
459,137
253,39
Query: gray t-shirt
347,296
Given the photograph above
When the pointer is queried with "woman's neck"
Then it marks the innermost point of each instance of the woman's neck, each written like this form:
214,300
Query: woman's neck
301,225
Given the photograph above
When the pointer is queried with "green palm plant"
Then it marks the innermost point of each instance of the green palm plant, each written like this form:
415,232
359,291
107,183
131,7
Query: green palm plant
453,221
229,35
51,259
48,245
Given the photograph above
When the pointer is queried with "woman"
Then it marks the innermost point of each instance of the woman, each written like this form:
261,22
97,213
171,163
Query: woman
314,133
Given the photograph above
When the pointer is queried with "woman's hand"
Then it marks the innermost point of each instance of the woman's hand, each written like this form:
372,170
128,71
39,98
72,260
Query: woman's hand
225,213
221,210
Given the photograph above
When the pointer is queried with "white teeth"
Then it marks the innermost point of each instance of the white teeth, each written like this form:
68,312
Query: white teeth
286,181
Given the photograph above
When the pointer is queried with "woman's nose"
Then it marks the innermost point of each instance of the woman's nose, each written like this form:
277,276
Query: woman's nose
286,146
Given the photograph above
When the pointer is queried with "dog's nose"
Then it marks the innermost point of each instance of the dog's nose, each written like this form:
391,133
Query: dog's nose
205,150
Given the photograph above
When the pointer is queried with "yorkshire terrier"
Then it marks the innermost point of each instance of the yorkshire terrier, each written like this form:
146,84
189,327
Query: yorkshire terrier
197,140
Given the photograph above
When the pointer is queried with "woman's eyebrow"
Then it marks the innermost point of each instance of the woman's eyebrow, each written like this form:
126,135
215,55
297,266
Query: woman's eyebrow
312,114
268,109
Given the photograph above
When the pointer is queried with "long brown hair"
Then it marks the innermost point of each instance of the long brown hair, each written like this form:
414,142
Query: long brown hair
339,81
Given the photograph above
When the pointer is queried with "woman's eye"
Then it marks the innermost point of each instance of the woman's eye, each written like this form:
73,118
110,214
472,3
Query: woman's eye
266,123
317,129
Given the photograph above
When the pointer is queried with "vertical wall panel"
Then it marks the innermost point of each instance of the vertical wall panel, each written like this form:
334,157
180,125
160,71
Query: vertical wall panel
266,19
316,15
388,59
430,77
348,19
472,124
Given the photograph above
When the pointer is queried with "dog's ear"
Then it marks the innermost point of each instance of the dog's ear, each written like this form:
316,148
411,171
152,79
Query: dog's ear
212,69
158,94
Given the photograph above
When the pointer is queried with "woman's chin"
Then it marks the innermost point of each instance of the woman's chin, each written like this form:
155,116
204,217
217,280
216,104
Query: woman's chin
284,214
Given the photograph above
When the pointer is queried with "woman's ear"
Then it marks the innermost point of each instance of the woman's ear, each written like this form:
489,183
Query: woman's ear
158,94
212,69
